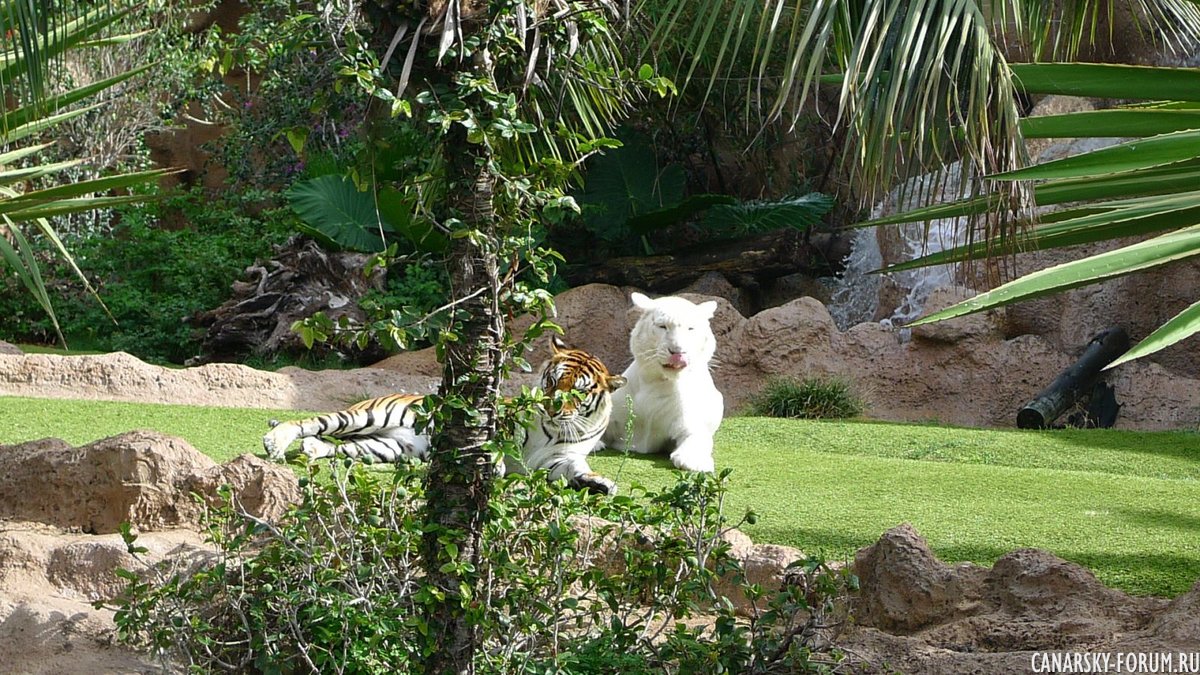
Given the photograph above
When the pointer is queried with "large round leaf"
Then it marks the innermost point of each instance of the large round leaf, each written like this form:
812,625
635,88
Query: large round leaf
336,213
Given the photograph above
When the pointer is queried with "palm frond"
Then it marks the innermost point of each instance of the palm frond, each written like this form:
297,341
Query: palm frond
36,37
919,83
1142,187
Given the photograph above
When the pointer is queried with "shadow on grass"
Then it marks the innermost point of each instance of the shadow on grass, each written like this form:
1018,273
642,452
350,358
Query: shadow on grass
1156,574
1159,518
636,459
1175,444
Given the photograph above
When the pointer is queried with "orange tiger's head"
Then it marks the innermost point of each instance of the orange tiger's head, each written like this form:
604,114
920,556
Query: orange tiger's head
576,381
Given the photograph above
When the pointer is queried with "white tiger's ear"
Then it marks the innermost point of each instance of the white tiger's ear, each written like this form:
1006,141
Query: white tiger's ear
557,344
708,309
641,301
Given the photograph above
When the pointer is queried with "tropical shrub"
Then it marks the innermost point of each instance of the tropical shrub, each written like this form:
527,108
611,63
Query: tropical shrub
32,190
628,195
570,583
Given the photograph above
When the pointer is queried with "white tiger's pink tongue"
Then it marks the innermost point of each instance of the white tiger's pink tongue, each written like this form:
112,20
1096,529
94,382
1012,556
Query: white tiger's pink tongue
676,362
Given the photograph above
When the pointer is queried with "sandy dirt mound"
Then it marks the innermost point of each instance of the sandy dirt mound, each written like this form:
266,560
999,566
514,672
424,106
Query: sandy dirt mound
121,377
917,614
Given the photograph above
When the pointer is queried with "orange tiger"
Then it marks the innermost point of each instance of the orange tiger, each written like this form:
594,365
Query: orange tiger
557,439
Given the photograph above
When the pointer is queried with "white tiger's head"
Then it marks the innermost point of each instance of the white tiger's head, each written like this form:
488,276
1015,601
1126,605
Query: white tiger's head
672,334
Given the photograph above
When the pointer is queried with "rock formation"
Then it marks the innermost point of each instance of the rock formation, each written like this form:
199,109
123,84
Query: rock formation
916,614
967,371
60,510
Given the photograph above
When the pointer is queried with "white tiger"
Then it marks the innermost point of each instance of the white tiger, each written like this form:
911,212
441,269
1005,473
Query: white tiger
558,439
676,407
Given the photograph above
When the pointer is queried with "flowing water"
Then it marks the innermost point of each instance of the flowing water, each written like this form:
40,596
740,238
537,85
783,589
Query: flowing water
856,295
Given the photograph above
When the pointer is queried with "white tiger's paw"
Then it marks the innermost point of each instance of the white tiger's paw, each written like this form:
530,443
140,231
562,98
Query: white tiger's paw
277,440
693,461
594,483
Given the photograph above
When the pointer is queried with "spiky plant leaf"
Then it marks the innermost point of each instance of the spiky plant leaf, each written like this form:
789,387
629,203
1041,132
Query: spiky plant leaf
753,217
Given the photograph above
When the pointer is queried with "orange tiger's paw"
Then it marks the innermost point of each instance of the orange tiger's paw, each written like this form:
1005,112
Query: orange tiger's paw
595,483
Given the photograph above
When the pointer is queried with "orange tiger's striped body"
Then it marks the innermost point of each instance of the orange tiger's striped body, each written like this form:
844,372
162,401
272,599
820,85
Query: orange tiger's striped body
558,439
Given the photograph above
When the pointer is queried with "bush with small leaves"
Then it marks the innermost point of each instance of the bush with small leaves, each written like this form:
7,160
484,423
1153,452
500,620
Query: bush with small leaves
810,398
568,582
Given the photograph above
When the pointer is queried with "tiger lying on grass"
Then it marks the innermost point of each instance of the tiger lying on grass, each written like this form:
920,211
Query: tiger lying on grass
557,440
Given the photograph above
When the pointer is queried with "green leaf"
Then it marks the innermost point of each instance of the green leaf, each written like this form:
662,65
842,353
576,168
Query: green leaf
624,183
40,124
21,153
1116,123
34,172
1163,249
1178,177
26,114
1097,80
336,213
1181,326
763,216
20,260
23,210
1098,222
85,187
661,218
397,211
297,137
1139,154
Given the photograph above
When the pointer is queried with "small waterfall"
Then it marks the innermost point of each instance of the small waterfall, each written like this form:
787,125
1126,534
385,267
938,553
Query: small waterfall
856,295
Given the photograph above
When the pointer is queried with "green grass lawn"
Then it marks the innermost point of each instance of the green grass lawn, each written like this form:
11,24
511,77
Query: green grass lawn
1125,504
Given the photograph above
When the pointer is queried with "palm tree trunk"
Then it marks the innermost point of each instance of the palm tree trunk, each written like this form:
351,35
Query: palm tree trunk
460,476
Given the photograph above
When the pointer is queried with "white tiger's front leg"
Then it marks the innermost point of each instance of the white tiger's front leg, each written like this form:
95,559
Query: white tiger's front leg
694,453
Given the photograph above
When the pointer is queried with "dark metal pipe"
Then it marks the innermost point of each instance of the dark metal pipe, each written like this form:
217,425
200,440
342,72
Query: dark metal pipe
1074,382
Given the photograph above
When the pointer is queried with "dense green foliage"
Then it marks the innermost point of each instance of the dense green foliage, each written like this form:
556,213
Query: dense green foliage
334,586
38,100
151,278
810,398
1115,501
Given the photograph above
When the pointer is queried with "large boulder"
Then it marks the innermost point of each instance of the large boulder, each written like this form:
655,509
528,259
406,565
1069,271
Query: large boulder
61,551
141,477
